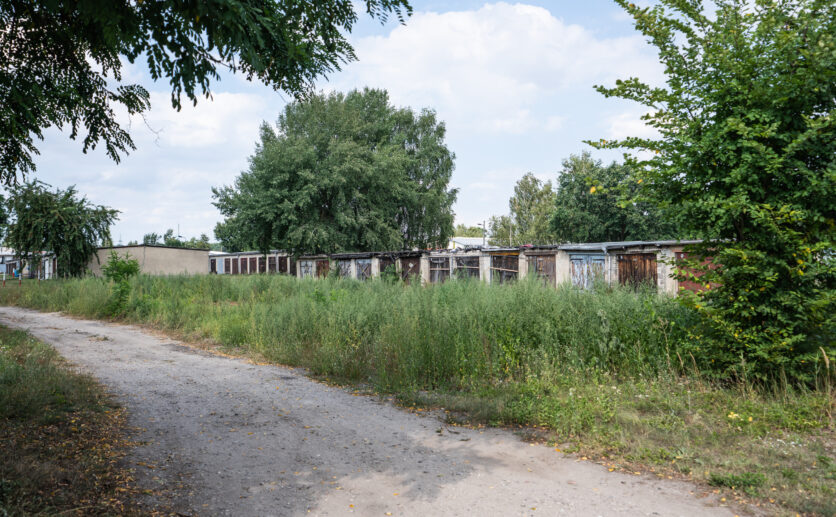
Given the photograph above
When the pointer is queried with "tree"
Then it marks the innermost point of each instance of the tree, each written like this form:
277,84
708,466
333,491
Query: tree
462,230
745,158
169,239
501,230
531,207
343,173
594,203
61,62
57,221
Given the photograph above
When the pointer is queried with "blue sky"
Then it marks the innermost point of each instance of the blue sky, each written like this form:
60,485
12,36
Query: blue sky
512,82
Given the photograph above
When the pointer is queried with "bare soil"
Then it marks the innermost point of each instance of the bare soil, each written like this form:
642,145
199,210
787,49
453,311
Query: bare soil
224,436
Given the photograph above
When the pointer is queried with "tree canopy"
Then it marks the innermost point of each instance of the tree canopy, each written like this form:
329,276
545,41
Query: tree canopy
595,203
58,221
61,62
530,210
462,230
745,158
174,241
342,172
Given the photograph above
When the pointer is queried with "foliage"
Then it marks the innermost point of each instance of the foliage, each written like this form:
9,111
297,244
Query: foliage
343,172
462,230
170,240
594,203
120,269
59,222
531,206
61,63
747,122
4,217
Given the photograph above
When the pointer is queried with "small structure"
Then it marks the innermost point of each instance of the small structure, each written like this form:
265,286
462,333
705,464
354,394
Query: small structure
155,259
43,265
466,242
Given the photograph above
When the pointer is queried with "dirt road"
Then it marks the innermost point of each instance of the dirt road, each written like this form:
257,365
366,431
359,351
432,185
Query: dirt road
227,437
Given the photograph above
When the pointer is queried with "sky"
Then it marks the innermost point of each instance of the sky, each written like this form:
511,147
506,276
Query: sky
513,84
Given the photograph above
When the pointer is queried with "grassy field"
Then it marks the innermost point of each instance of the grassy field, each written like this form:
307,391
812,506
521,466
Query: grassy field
598,373
62,437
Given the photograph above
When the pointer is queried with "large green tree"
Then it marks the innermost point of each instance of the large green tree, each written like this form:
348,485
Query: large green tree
746,157
57,221
343,172
61,61
528,223
462,230
596,203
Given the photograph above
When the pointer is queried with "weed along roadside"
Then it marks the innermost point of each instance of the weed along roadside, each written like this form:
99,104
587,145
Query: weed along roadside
602,374
62,437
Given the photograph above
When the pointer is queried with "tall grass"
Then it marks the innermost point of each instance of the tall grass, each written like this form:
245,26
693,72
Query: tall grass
456,335
604,370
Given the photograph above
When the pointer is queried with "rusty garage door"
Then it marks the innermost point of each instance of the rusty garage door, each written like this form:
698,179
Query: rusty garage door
586,269
271,264
262,265
323,267
283,265
387,262
635,269
543,266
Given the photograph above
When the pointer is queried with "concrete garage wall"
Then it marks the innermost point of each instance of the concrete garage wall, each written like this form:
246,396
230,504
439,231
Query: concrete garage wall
156,260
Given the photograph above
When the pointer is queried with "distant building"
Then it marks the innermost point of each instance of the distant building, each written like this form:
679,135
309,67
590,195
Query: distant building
466,242
156,260
44,265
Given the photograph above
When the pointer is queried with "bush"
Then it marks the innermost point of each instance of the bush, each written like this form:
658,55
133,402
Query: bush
119,271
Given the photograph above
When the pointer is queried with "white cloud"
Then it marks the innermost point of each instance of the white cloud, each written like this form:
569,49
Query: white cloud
493,69
228,119
167,181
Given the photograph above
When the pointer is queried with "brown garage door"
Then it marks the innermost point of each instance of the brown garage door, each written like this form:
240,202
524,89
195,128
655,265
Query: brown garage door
323,267
543,266
635,269
410,267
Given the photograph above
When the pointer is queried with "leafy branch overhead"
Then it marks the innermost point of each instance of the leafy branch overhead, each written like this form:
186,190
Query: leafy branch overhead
61,62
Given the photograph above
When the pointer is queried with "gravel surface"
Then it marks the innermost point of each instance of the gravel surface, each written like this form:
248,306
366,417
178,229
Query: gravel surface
223,436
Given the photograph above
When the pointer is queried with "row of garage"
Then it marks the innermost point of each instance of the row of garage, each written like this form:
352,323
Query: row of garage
628,263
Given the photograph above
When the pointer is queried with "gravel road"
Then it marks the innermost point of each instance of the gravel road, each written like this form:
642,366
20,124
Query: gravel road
224,436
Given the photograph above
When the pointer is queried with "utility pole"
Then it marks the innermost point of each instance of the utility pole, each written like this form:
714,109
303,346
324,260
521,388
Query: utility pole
484,233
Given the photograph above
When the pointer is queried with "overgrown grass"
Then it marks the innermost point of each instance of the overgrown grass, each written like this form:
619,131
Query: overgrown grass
601,371
61,436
